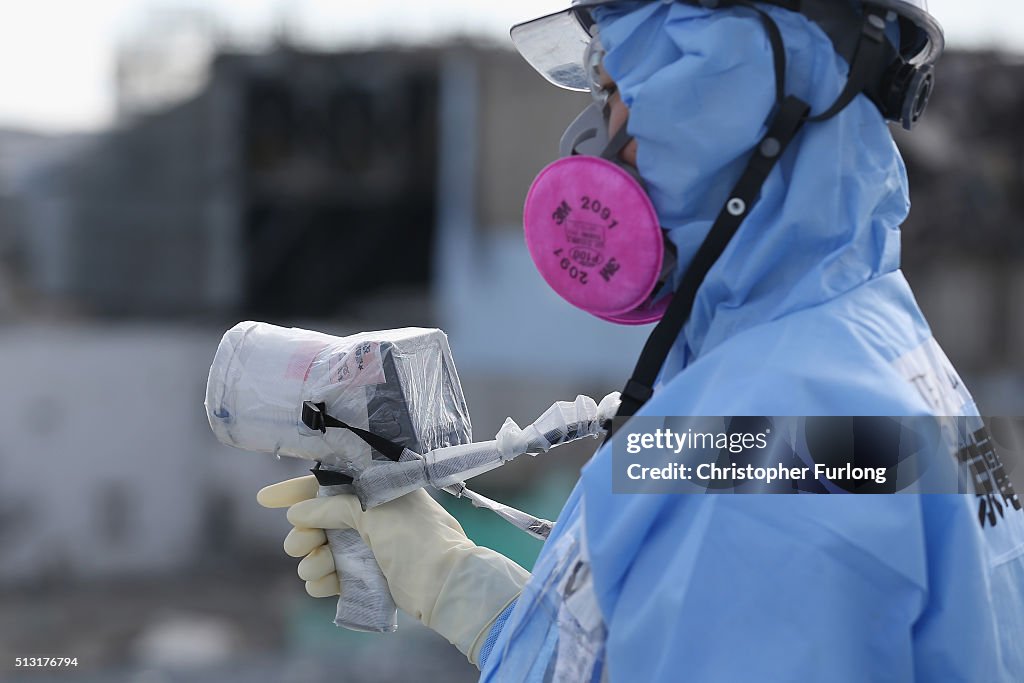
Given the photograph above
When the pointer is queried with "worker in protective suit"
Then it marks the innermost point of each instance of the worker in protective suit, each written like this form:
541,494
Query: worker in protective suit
757,131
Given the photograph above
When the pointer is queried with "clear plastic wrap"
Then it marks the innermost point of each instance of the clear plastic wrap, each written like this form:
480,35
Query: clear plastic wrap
399,384
366,603
562,422
447,466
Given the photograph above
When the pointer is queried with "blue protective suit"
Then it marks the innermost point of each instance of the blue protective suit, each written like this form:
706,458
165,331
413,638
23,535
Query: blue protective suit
806,313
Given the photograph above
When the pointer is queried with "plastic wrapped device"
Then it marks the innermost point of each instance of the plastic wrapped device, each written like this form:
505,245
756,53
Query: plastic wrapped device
397,384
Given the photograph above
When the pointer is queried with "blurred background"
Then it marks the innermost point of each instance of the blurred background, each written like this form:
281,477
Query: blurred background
170,168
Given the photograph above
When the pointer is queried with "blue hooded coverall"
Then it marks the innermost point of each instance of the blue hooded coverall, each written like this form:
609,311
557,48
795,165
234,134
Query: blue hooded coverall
806,313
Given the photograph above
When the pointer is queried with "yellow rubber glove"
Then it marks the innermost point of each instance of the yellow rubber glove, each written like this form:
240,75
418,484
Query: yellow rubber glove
435,572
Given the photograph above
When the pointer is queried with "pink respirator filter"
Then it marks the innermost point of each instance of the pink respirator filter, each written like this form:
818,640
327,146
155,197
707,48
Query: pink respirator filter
595,238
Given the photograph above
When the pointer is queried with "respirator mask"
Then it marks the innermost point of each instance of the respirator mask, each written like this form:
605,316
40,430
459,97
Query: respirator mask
590,226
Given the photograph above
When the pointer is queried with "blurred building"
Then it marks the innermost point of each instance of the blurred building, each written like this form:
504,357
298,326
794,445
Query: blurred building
289,176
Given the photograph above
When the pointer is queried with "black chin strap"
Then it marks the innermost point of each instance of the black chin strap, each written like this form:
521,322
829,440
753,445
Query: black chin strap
791,113
872,53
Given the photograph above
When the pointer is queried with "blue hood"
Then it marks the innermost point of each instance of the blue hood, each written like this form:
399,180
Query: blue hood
804,314
701,88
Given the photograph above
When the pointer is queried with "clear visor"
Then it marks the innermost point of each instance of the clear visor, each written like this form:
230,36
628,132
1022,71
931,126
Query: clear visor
923,39
555,45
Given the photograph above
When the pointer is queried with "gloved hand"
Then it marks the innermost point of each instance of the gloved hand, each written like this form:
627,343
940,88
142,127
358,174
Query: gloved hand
435,572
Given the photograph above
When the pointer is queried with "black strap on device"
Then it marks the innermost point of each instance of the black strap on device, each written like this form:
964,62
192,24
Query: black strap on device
330,477
314,416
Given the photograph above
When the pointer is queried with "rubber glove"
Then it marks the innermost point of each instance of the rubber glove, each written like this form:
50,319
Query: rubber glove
435,572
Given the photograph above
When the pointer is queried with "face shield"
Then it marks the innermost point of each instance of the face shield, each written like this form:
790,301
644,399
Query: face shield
554,45
565,49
